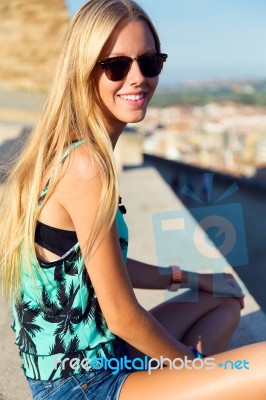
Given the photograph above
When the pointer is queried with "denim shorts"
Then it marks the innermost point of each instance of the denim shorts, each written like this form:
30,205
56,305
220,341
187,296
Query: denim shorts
92,385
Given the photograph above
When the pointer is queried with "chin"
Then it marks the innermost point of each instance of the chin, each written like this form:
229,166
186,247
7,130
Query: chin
136,118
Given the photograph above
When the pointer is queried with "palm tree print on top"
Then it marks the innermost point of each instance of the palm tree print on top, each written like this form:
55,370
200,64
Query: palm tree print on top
68,322
27,331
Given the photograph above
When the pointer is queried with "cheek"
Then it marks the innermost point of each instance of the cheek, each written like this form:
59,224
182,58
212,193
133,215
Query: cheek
153,83
107,89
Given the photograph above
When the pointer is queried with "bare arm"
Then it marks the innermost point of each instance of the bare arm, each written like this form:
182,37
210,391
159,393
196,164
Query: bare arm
78,193
147,276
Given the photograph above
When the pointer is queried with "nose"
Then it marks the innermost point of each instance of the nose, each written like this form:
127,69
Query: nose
135,75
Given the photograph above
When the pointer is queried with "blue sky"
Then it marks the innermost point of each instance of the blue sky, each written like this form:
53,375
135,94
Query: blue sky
208,39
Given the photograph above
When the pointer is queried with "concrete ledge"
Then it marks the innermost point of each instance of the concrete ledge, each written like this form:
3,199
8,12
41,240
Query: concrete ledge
10,131
13,385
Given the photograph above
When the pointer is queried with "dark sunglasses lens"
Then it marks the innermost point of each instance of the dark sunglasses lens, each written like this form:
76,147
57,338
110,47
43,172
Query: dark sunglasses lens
151,65
117,70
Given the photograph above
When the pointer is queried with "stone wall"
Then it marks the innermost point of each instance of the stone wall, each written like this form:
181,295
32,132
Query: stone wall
30,33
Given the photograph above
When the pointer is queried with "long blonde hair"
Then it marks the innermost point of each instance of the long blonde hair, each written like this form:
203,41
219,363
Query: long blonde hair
72,106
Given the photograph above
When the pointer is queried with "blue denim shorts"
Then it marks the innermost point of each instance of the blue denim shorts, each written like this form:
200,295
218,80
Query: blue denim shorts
92,385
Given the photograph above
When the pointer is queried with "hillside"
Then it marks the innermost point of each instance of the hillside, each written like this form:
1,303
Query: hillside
30,32
252,92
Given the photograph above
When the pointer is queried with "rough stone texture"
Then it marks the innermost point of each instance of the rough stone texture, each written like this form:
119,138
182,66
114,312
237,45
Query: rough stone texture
30,32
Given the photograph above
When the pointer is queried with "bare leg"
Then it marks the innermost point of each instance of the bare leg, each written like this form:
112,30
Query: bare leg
215,328
214,319
218,383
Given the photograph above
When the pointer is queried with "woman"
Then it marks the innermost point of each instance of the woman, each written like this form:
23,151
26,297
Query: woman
64,240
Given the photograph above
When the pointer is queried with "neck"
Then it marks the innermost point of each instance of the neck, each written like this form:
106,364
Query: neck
115,132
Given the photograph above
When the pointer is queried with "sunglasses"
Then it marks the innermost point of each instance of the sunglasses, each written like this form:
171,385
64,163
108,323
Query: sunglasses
117,68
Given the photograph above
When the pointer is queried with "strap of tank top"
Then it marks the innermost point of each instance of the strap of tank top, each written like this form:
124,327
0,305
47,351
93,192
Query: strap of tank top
65,154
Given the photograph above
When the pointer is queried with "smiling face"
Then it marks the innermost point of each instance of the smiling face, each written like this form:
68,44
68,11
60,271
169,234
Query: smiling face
126,100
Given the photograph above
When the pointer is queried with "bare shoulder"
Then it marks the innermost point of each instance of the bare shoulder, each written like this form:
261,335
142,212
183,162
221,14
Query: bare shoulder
81,164
80,172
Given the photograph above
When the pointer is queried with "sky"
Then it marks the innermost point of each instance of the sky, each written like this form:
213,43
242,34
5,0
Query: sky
207,39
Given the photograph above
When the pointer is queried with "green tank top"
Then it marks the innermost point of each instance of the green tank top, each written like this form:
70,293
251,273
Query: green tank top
71,324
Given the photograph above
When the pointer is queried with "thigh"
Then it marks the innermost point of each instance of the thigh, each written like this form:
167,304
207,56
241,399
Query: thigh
201,384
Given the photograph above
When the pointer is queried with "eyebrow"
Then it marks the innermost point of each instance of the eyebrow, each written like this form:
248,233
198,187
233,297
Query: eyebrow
122,54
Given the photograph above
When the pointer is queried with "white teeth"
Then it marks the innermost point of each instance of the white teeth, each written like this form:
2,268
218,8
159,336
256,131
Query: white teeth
132,97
